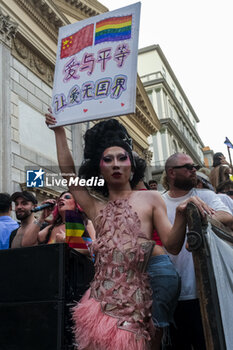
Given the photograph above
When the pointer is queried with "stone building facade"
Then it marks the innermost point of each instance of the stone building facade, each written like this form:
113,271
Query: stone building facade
28,42
178,132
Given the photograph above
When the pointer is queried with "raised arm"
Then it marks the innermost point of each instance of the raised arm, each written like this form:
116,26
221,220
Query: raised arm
67,167
32,233
64,156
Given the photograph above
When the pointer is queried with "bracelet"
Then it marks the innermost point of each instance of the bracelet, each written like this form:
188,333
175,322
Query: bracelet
37,222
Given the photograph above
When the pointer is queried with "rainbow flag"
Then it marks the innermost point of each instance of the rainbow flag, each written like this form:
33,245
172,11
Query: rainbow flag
76,235
113,29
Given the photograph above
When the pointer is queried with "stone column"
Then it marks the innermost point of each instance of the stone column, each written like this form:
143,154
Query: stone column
148,157
7,32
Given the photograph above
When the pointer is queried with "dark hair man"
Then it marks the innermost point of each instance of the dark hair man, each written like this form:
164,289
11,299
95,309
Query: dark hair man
24,202
153,184
7,224
181,180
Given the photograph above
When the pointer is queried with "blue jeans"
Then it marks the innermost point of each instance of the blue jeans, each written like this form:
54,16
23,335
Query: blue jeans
165,284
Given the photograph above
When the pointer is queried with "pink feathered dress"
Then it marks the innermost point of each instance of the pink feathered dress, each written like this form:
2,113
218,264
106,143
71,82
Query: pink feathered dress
115,313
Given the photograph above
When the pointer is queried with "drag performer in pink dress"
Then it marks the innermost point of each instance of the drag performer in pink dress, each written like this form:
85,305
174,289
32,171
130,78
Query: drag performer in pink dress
115,313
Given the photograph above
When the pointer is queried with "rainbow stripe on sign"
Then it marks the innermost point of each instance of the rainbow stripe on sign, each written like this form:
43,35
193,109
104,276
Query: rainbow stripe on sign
113,29
76,235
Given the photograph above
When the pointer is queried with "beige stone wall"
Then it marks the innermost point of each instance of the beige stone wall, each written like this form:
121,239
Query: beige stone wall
33,93
28,42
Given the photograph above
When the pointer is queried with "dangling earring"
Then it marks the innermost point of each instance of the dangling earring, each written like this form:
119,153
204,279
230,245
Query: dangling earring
101,176
131,176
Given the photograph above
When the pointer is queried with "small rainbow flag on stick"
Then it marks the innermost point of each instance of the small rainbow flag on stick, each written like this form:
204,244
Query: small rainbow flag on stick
76,235
113,29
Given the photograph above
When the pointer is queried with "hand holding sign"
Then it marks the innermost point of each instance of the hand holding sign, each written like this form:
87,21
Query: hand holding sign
96,67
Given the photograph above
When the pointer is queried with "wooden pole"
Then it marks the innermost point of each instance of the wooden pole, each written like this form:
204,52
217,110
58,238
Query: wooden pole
228,148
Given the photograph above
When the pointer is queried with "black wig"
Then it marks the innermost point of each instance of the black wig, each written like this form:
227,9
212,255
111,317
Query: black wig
103,135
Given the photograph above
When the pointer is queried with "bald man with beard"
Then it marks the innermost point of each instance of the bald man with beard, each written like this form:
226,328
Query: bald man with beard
181,180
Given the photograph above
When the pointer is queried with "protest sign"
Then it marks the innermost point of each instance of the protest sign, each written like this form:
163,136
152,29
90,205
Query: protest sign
96,67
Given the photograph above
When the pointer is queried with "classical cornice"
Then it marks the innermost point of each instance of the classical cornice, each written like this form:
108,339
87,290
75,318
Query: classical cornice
145,123
8,29
81,9
45,14
31,59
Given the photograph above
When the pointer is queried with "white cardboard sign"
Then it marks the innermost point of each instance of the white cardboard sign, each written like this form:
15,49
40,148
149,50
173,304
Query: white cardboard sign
96,67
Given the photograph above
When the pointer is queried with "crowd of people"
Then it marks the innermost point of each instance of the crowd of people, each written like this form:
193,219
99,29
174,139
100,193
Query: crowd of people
144,290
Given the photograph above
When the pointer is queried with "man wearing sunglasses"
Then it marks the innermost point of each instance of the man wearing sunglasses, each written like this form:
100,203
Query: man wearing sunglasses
181,180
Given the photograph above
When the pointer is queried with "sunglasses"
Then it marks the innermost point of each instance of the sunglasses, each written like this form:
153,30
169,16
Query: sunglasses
187,166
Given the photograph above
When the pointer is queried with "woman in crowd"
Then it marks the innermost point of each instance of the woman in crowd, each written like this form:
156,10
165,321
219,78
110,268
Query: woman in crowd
55,232
221,170
114,314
